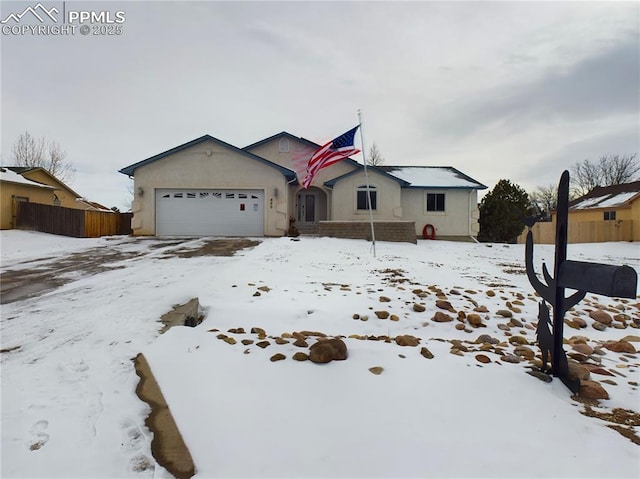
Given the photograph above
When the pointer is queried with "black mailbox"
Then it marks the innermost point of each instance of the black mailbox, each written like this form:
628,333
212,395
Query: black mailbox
608,280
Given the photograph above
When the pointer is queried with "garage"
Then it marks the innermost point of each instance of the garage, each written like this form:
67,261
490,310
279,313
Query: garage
196,212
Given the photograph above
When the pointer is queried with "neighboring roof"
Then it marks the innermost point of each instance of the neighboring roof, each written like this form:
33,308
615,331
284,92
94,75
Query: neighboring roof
332,182
11,176
129,170
434,177
284,134
92,205
608,197
26,169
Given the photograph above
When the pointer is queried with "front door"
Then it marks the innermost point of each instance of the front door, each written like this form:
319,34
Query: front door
306,207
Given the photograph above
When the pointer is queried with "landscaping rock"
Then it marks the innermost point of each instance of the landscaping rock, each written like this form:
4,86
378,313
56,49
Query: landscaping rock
258,331
485,338
382,314
601,317
592,390
326,350
394,317
426,353
505,313
377,370
418,308
446,305
440,317
620,347
481,358
631,338
384,299
474,320
516,323
518,340
583,348
263,344
598,325
407,340
510,358
277,357
540,375
300,356
577,371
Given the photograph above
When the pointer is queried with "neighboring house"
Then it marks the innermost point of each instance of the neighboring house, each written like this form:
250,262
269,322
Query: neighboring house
616,204
610,213
35,185
15,188
209,187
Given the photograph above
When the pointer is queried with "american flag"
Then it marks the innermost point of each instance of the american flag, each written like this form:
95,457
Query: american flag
336,150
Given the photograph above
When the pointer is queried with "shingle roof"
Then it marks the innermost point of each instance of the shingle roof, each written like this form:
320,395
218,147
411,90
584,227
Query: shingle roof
607,196
434,177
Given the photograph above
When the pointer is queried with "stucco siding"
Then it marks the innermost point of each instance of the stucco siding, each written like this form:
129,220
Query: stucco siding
458,219
9,190
209,165
271,151
66,197
344,198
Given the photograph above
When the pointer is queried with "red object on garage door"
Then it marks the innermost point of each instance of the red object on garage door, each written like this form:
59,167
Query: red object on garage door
429,232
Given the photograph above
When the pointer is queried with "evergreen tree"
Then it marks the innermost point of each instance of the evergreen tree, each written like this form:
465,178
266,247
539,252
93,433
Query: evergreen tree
500,213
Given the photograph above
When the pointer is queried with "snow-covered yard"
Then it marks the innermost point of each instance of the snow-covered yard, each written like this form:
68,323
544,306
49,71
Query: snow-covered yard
69,407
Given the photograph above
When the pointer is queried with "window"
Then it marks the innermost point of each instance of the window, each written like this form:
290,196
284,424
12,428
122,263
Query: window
609,215
283,145
362,203
435,201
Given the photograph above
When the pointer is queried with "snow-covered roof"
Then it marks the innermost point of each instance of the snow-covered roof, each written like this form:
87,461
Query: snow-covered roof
13,177
608,196
433,177
605,201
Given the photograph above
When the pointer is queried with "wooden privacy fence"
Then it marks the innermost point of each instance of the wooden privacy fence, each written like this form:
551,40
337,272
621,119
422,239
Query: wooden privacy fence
71,222
583,232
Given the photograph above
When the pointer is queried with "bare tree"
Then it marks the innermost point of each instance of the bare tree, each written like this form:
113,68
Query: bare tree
39,153
609,170
545,198
375,157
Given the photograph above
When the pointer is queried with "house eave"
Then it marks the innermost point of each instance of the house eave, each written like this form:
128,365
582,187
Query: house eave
130,170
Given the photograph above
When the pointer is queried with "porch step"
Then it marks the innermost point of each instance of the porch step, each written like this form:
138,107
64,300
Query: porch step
308,229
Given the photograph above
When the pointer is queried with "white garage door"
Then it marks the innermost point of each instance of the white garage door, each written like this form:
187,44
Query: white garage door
209,212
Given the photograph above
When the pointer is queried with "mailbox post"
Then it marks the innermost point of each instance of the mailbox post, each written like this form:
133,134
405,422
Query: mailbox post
584,277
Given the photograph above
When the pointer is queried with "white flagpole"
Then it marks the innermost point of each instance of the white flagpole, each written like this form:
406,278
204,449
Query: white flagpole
366,175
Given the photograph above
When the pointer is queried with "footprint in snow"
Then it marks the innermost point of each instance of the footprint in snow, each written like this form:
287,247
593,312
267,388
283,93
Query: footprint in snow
40,437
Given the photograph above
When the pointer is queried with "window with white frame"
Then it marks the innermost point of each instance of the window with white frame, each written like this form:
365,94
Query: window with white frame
435,202
362,197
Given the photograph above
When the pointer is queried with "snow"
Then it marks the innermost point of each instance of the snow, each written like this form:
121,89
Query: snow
13,177
606,201
433,176
69,390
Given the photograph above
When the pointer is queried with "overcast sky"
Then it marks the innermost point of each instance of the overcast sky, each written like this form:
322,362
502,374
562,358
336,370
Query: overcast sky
515,90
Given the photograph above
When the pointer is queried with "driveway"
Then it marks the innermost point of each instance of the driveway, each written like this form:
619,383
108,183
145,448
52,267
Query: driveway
35,277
